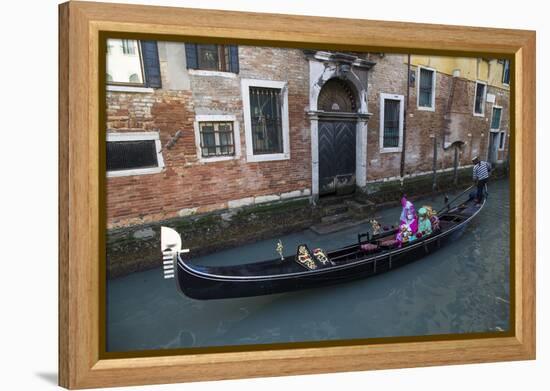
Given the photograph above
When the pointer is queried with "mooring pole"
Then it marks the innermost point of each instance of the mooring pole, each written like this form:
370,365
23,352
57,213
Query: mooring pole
434,165
456,166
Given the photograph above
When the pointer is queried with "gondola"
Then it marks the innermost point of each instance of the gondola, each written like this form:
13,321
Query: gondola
369,256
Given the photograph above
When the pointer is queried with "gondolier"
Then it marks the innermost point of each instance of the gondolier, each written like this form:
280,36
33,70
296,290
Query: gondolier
481,173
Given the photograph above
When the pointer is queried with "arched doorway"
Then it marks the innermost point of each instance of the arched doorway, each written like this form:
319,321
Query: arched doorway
337,111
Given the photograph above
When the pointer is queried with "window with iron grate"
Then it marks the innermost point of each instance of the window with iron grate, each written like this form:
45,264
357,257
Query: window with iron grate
266,121
392,108
391,123
217,139
426,88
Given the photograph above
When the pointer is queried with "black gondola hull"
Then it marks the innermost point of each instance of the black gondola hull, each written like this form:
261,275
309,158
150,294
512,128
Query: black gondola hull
196,284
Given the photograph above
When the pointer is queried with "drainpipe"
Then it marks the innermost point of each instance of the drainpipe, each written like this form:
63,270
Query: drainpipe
402,168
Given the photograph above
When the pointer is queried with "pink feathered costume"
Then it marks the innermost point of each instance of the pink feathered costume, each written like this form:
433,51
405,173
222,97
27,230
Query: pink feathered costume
408,215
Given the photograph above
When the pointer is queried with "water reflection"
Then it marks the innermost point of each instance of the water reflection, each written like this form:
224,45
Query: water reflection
462,288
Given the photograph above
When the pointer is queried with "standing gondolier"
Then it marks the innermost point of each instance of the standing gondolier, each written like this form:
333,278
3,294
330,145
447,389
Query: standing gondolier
481,173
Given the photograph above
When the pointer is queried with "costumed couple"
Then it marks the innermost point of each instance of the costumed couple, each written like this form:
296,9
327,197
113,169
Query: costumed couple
411,225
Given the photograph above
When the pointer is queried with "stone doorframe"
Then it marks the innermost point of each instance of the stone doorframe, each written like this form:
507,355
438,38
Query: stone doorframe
324,66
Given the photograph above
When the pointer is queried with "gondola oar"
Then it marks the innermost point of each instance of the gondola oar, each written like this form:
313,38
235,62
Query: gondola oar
448,206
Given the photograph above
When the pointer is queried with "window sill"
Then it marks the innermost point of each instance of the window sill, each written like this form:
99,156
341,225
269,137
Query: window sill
203,72
479,114
217,159
137,171
391,150
422,108
114,88
268,157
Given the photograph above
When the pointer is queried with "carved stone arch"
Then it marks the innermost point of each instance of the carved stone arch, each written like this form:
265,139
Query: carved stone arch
338,95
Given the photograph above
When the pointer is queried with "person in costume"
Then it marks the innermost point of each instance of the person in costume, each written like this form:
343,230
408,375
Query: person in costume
424,223
404,235
408,215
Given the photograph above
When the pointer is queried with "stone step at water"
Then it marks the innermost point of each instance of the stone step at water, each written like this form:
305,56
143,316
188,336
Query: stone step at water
335,209
336,218
334,199
360,207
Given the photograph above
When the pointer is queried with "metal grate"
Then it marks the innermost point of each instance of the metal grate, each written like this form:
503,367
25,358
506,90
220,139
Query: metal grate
128,155
267,132
391,123
217,139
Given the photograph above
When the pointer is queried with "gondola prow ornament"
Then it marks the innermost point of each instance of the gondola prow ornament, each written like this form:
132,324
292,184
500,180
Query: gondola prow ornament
170,244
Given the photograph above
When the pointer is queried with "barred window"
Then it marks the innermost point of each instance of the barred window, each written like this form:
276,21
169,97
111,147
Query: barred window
391,123
479,104
426,88
217,139
266,121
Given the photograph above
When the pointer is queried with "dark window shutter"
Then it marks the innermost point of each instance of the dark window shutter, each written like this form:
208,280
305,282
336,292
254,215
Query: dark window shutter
233,58
191,55
151,64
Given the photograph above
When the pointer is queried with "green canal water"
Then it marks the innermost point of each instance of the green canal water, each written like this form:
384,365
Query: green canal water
462,288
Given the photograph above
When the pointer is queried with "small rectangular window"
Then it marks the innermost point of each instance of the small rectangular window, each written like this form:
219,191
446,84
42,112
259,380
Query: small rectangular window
128,155
217,139
506,72
266,121
502,140
124,64
426,87
495,120
133,153
213,57
479,103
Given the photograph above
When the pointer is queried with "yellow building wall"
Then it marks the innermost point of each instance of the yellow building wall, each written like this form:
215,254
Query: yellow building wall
472,69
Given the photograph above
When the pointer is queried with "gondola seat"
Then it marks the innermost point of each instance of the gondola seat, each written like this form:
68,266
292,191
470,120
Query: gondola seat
389,243
369,247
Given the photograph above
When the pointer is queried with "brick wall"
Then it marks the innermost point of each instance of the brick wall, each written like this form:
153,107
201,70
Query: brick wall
186,184
389,75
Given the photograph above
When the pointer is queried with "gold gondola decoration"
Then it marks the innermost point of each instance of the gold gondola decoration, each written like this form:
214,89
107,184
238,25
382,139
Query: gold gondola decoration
376,228
304,257
279,249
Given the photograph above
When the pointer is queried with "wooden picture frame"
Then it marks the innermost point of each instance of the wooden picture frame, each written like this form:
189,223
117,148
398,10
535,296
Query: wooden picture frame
81,362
